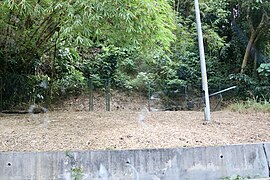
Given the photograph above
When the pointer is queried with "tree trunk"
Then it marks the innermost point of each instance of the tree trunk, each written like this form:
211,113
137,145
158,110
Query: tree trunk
255,64
247,52
255,33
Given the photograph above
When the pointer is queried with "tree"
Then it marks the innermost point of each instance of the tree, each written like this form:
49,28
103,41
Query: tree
214,16
35,34
32,28
257,17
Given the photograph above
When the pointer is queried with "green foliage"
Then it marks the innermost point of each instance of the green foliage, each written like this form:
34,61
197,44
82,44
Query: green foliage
249,87
72,82
253,23
110,62
215,21
238,177
142,81
84,21
132,43
214,15
29,89
77,173
55,39
250,106
68,78
264,70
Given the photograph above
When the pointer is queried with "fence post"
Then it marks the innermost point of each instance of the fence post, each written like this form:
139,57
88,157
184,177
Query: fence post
90,88
1,94
149,96
108,94
47,94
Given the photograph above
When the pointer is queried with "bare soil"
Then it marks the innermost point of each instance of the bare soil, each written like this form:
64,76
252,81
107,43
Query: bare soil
71,130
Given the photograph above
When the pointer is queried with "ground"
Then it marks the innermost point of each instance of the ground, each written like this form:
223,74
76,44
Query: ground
72,130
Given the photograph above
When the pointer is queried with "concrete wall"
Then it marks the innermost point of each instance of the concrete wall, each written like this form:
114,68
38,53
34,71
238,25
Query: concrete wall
251,160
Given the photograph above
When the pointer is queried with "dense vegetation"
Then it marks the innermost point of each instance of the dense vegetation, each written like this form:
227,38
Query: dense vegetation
51,48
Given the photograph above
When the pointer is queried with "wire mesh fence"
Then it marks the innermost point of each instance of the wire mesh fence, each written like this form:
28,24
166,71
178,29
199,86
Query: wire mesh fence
14,94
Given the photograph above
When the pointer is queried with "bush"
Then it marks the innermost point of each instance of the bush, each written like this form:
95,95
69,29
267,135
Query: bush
72,83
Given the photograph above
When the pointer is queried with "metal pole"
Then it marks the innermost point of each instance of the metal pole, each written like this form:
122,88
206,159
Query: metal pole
203,66
224,90
149,96
90,86
1,95
47,94
108,94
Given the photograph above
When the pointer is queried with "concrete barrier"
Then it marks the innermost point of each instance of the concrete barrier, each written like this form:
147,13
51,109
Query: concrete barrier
250,160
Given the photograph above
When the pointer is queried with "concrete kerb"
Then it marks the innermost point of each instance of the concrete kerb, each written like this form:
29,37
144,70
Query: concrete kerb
266,147
247,160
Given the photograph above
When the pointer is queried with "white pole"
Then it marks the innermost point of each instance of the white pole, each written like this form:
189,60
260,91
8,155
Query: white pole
203,66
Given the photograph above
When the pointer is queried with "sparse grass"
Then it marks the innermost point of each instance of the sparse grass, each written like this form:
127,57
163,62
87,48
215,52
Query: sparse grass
238,177
250,106
235,178
77,173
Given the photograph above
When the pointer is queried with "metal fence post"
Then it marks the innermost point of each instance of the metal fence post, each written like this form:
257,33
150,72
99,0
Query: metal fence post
47,94
1,94
108,94
149,96
90,88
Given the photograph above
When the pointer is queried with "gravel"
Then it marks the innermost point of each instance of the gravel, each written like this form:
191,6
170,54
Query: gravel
64,131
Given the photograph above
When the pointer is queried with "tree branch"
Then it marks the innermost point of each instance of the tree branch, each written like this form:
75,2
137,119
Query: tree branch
250,22
263,24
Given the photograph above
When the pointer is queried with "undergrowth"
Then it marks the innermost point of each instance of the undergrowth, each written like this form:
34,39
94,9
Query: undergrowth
250,106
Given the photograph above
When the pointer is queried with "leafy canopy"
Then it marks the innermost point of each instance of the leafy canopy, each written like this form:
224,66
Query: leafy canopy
144,23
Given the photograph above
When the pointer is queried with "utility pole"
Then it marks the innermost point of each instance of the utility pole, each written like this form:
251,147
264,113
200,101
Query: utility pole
203,66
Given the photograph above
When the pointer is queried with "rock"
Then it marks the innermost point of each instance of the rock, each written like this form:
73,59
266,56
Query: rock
37,109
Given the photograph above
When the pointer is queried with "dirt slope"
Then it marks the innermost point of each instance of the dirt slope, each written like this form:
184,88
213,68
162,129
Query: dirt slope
61,131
